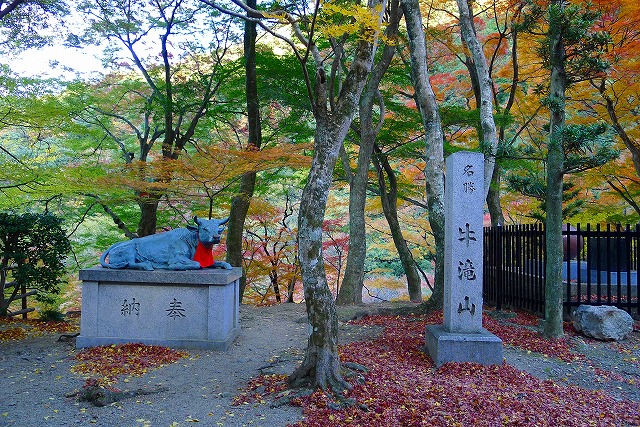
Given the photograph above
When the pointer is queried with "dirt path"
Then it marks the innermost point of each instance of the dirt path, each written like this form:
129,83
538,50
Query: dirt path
36,384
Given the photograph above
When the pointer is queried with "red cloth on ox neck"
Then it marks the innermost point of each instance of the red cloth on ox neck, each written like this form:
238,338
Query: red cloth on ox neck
203,255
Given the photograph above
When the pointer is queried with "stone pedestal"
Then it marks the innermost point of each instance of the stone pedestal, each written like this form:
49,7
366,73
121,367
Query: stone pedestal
461,338
481,347
180,309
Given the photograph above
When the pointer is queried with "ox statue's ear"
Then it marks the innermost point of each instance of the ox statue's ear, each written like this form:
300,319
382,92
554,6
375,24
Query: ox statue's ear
224,221
196,220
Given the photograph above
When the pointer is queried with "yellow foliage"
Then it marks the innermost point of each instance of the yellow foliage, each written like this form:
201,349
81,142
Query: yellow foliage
373,206
337,20
261,206
385,282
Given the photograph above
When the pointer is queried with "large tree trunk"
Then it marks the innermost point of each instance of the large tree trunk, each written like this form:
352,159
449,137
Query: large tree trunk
434,156
493,197
321,365
148,216
489,140
353,282
555,167
389,199
493,193
240,203
235,228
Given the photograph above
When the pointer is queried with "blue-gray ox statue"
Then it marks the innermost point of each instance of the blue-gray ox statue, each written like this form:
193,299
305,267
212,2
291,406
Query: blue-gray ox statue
171,250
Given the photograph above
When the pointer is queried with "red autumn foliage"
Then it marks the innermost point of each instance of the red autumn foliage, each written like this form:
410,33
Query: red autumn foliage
259,386
18,329
106,363
55,327
403,388
11,334
524,319
532,340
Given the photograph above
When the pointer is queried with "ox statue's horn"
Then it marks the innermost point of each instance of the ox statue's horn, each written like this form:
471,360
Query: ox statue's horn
224,221
196,220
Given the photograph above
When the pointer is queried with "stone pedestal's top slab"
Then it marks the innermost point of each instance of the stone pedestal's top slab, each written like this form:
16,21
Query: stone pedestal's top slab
205,276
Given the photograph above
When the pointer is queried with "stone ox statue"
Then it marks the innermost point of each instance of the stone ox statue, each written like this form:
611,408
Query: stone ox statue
171,250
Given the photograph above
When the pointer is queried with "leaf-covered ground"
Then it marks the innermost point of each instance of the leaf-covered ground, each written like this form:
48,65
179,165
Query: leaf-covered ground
18,329
103,365
38,385
403,388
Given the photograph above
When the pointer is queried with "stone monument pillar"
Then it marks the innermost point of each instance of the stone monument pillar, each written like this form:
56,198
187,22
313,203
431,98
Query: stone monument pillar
462,338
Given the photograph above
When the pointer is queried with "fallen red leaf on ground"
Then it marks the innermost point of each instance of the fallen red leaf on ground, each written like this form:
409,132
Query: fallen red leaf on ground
530,339
104,364
19,329
403,388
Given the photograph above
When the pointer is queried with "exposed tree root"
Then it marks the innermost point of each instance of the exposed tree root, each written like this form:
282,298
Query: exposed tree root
354,370
331,381
102,396
320,369
67,337
432,304
285,397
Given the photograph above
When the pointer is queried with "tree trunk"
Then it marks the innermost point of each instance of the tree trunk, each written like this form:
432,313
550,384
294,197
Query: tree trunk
240,203
493,197
148,216
321,365
353,281
622,133
555,166
434,156
389,199
291,286
273,276
493,194
235,228
489,140
4,268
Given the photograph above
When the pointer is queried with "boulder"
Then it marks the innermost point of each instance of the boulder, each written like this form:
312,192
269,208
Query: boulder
603,322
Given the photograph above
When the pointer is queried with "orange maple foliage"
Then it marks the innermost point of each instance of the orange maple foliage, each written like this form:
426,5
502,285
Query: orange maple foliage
612,98
209,170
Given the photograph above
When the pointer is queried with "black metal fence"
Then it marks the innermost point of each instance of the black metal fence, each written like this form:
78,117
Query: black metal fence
600,266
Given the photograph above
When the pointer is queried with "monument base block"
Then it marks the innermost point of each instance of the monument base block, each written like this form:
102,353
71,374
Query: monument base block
183,309
484,347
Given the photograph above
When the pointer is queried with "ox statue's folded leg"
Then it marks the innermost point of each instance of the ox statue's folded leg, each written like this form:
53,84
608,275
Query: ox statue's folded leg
221,264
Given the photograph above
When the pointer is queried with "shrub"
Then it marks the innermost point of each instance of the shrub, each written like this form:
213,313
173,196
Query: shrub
32,251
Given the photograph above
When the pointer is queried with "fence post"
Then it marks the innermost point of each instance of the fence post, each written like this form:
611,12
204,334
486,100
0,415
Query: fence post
499,265
543,270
